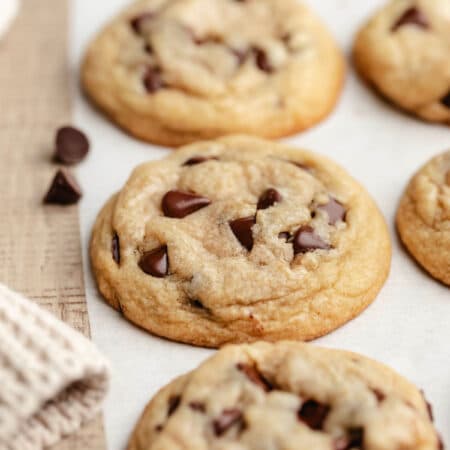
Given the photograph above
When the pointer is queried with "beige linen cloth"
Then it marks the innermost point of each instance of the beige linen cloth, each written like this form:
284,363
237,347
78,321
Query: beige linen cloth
52,379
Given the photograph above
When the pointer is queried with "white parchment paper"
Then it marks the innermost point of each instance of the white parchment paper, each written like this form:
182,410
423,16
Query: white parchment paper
407,327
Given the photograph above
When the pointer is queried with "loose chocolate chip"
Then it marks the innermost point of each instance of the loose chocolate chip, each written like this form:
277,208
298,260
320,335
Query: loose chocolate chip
64,189
174,403
254,376
335,211
198,406
306,240
226,420
155,262
136,22
446,100
115,248
180,204
412,16
284,235
269,198
153,80
380,396
353,440
262,60
313,414
242,229
71,145
198,160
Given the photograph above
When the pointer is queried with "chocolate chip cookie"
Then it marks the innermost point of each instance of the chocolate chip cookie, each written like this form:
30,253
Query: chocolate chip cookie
240,239
287,395
404,51
176,71
423,217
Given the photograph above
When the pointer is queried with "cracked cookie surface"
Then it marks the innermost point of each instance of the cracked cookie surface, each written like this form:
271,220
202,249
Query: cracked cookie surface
176,71
404,51
240,239
287,396
423,217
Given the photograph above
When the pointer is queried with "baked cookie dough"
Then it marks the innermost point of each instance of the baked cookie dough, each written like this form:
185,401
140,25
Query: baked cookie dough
176,71
284,396
404,51
423,217
240,239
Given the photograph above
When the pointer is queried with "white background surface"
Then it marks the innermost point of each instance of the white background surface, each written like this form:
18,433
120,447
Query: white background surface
407,327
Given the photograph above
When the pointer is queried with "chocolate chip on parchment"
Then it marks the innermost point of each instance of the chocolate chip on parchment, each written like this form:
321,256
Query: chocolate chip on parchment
174,403
269,198
198,160
153,80
71,145
412,16
115,248
262,60
242,229
254,376
353,440
136,22
226,420
64,189
446,100
306,240
197,406
180,204
335,211
155,262
313,414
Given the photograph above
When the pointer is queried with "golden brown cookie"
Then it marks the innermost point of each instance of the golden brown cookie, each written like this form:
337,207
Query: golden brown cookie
404,51
284,396
423,217
240,239
176,71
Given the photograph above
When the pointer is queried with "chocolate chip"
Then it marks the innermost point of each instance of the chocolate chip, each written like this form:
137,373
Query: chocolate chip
313,414
197,304
180,204
335,211
71,145
148,48
254,376
412,16
306,240
241,55
136,22
269,198
174,403
284,235
380,396
197,406
353,440
115,248
226,420
64,189
262,60
159,428
446,100
242,229
155,262
153,80
198,160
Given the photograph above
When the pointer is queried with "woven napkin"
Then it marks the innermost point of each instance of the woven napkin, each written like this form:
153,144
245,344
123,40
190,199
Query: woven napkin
52,379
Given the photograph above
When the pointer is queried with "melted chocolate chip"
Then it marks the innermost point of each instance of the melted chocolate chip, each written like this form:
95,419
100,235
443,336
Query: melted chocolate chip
242,229
284,235
64,189
380,396
153,80
226,420
335,211
262,60
136,22
198,160
446,100
174,403
198,406
269,198
159,428
197,304
353,440
313,414
412,16
115,248
180,204
71,145
306,240
155,262
254,376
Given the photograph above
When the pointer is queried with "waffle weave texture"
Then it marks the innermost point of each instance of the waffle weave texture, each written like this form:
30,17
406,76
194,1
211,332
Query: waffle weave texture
52,379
